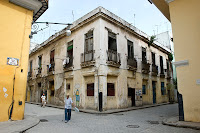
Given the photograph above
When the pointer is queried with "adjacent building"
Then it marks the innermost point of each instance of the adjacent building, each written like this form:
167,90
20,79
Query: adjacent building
106,63
184,17
16,20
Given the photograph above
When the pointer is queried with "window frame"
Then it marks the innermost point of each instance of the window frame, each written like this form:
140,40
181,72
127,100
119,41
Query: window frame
91,92
109,92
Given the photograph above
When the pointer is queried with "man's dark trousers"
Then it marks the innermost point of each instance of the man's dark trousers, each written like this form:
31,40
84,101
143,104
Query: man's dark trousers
67,114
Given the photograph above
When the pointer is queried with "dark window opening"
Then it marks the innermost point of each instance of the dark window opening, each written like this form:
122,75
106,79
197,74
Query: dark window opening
161,65
68,86
52,92
143,89
144,57
167,64
130,49
153,58
31,66
90,89
112,42
39,85
163,91
110,89
40,61
130,91
52,56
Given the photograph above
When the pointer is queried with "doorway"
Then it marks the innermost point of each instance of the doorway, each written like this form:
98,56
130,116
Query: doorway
131,93
154,91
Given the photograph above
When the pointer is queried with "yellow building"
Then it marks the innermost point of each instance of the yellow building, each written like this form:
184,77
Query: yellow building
185,19
16,19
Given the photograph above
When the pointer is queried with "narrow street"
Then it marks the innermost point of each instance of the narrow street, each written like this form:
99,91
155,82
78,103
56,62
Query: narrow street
141,121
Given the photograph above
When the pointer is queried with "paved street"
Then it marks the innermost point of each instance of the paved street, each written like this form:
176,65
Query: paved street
149,121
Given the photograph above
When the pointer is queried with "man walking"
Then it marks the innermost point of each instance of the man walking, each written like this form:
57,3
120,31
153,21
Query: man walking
43,97
68,107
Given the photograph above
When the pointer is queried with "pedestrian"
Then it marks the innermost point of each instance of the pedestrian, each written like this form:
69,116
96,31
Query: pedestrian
43,97
68,108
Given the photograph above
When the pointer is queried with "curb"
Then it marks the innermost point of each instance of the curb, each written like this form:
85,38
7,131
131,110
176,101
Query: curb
108,112
31,126
175,124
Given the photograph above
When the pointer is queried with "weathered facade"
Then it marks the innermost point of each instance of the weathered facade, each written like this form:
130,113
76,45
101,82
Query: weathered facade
105,56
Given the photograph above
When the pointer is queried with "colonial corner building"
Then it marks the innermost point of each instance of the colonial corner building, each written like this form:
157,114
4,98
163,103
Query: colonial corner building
185,18
109,62
16,20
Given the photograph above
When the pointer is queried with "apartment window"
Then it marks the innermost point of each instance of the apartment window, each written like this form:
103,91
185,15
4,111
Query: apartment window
130,49
90,89
68,86
39,85
163,88
31,66
144,56
143,89
153,58
110,89
167,64
52,56
89,41
112,41
161,65
40,61
70,49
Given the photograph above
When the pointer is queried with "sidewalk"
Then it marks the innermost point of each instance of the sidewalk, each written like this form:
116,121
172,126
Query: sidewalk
107,111
18,126
174,121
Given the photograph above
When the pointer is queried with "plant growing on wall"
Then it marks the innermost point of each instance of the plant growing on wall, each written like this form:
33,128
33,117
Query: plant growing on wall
170,57
152,39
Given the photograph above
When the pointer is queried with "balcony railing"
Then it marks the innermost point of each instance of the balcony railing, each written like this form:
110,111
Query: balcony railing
145,67
51,68
39,70
29,74
87,58
154,70
113,58
69,63
168,72
132,63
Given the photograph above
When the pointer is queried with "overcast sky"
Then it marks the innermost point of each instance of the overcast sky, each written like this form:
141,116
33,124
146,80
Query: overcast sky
147,17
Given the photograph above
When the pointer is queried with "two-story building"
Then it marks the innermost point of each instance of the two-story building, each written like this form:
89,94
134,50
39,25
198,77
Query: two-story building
107,60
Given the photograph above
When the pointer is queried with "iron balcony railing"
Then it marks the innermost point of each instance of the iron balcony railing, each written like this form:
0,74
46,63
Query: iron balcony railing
87,56
132,62
51,67
145,67
69,62
113,56
154,69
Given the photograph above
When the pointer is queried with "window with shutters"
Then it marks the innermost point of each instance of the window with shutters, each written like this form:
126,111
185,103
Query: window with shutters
90,89
161,65
144,55
110,89
153,58
52,56
143,89
112,42
130,49
163,90
89,41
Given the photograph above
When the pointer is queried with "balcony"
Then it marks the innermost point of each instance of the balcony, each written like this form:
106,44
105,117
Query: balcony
145,67
113,58
154,70
87,59
168,72
162,74
51,68
39,72
68,65
132,63
29,75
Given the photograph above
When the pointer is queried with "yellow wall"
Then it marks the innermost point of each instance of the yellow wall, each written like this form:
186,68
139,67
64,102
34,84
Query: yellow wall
14,37
185,19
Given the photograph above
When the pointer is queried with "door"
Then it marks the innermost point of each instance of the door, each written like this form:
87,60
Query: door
154,91
133,97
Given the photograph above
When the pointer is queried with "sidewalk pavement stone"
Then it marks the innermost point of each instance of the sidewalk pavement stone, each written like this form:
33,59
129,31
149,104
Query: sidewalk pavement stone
19,126
174,121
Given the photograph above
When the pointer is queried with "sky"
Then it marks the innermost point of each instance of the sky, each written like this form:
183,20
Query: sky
141,13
